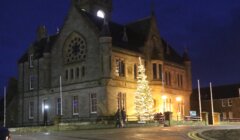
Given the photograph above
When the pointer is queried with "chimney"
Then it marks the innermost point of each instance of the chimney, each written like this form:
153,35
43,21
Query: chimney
41,32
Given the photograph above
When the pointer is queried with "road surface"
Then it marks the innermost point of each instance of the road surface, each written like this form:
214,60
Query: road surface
150,133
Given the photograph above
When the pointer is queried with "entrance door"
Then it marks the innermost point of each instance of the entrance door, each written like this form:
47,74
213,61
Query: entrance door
121,100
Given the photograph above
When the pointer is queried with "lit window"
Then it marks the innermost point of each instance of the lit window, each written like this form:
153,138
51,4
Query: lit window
31,60
100,14
31,110
75,105
93,102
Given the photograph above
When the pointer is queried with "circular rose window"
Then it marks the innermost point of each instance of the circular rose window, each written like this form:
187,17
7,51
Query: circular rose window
75,49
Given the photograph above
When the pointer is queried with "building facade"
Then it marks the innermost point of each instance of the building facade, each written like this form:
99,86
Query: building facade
97,61
226,101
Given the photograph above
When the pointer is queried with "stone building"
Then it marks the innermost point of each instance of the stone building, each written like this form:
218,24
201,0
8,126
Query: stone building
97,61
226,101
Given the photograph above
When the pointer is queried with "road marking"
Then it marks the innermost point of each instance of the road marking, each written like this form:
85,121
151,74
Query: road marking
193,135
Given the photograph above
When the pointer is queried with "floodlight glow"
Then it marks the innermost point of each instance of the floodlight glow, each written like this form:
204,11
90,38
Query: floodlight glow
164,97
46,107
100,14
179,99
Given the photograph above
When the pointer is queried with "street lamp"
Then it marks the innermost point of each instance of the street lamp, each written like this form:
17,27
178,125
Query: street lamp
46,108
164,97
179,99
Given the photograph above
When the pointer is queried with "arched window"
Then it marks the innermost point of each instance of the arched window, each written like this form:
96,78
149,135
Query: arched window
75,48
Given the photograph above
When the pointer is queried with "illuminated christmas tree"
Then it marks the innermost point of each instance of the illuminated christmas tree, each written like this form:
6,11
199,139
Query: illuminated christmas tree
143,97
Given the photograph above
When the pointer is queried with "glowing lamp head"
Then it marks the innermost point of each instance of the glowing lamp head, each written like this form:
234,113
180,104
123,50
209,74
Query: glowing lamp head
100,14
179,99
46,107
164,97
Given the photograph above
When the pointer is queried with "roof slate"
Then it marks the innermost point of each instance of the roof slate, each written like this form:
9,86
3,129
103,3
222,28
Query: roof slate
137,34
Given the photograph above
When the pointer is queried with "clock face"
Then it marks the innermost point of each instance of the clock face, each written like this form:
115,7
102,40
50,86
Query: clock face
75,49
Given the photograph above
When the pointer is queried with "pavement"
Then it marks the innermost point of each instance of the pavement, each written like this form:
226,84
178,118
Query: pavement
225,132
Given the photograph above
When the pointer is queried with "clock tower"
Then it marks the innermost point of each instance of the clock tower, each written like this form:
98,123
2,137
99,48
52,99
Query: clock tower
101,8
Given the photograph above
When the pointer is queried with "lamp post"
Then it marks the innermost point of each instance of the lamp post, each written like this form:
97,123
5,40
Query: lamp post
179,99
45,119
4,114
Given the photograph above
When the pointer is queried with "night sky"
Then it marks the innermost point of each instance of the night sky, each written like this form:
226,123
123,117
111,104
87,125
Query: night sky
210,29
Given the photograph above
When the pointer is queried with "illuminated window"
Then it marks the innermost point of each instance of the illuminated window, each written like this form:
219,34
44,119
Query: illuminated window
93,102
30,110
100,14
75,105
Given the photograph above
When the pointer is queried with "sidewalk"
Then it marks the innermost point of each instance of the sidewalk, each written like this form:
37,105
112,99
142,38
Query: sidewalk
218,133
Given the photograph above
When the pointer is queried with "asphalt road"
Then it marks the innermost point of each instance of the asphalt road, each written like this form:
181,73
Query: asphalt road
151,133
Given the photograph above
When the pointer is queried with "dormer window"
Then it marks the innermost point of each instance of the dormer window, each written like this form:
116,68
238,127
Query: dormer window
100,14
31,60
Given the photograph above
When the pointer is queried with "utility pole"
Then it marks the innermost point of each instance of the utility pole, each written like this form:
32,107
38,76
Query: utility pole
212,103
4,119
199,100
60,89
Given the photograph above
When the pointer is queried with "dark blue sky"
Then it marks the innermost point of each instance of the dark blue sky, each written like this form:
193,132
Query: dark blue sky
209,28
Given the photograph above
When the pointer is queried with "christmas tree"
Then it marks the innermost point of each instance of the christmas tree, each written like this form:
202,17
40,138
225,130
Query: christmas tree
143,97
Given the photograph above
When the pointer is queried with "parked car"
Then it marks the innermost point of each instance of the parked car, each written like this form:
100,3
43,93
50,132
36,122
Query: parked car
4,134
